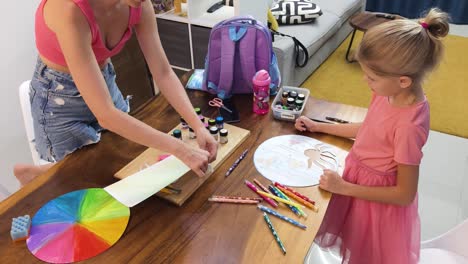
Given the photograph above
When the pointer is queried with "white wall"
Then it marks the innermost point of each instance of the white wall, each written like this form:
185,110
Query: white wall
18,56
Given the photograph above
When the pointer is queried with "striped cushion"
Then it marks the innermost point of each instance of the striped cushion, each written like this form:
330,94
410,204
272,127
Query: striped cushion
289,12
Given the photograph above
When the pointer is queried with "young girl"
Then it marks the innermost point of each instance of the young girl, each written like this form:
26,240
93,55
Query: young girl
73,91
373,214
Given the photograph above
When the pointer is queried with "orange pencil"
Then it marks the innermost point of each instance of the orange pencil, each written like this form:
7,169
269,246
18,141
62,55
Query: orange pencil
297,198
303,197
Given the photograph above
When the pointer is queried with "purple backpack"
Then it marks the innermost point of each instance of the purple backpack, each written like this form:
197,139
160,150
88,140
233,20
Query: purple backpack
238,48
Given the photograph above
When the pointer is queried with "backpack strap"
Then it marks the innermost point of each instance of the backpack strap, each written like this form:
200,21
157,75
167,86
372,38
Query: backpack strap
298,46
228,50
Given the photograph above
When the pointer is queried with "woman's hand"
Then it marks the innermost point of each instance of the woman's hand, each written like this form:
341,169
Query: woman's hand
303,123
331,181
207,142
195,158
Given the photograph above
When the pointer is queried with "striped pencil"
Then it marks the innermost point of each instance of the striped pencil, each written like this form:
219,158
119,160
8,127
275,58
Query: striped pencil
303,197
253,188
237,201
280,216
284,196
265,189
276,198
273,231
297,198
238,198
277,192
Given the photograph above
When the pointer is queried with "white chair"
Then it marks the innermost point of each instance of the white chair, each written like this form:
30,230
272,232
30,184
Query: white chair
28,122
448,248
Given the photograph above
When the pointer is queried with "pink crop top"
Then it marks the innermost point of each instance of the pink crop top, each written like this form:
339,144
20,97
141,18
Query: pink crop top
48,45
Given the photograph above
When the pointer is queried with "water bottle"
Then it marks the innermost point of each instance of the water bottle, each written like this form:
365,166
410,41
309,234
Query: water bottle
261,92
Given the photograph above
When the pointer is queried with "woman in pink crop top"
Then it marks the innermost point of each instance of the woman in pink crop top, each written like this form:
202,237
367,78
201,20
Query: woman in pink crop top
73,91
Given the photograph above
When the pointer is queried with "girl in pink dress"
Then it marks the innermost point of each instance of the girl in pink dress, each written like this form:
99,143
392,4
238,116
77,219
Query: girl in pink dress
373,214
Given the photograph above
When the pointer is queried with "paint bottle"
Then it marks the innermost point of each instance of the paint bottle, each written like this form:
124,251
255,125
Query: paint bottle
211,123
261,92
219,122
293,94
202,119
223,136
183,123
291,104
284,98
214,132
301,97
299,104
198,112
192,134
177,134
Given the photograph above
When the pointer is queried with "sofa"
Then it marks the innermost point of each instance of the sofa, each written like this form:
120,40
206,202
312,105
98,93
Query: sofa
320,38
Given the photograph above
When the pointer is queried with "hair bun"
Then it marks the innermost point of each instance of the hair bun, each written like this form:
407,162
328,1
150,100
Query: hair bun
437,23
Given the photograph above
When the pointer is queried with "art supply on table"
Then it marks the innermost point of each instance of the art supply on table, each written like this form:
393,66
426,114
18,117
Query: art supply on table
301,97
261,92
280,216
236,163
192,134
211,123
299,199
265,189
320,121
267,199
290,103
219,122
293,94
273,231
20,228
183,123
223,136
284,98
218,102
237,201
303,197
198,111
214,132
298,104
276,198
177,134
238,198
337,120
295,210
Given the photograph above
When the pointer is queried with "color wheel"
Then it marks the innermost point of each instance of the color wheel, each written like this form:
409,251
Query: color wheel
77,226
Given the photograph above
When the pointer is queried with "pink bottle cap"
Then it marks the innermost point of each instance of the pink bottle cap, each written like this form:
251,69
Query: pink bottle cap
261,78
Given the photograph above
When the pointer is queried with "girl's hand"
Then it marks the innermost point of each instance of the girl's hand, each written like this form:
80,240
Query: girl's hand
303,123
207,142
331,181
195,158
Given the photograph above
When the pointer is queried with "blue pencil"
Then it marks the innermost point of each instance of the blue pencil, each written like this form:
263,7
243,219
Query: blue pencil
294,209
273,231
284,196
280,216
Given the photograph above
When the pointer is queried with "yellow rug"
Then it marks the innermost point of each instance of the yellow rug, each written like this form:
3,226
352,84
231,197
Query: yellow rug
446,88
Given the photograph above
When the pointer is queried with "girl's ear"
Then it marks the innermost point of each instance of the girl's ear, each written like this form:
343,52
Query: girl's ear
405,82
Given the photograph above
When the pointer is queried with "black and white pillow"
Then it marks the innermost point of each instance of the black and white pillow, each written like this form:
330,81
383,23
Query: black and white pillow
289,12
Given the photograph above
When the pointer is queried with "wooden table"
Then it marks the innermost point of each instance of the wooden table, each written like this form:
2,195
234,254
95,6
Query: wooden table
199,231
365,20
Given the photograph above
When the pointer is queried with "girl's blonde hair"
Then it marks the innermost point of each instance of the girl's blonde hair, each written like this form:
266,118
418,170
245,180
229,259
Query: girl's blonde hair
403,47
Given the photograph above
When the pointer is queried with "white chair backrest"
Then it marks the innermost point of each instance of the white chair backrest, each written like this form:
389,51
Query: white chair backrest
454,240
28,121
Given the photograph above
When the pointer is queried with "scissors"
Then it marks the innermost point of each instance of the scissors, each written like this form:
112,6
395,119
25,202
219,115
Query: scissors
218,102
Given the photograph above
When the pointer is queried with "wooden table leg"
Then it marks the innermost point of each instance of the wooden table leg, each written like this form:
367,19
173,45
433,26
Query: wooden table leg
349,48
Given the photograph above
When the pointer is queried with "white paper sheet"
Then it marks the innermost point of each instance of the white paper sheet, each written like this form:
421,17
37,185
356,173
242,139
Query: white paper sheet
138,187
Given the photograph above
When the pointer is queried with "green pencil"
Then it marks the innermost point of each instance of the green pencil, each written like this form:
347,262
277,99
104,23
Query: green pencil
273,231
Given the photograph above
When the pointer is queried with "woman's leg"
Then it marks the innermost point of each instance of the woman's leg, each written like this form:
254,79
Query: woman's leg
27,172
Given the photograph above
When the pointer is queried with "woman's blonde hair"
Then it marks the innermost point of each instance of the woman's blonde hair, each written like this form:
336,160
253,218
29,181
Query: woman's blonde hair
403,47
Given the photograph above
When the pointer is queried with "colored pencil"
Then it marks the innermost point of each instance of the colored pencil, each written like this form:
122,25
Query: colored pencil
276,198
297,198
237,201
296,210
273,231
253,188
236,163
265,189
305,198
238,198
280,216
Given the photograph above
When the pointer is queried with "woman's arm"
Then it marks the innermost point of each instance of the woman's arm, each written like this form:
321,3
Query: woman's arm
74,37
402,194
166,79
349,130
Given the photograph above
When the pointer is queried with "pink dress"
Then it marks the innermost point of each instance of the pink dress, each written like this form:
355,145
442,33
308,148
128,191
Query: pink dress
373,232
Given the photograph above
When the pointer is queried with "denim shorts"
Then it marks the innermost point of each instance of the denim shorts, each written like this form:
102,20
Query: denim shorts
62,121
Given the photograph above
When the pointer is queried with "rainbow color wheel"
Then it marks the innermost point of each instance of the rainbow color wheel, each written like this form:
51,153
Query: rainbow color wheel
77,226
